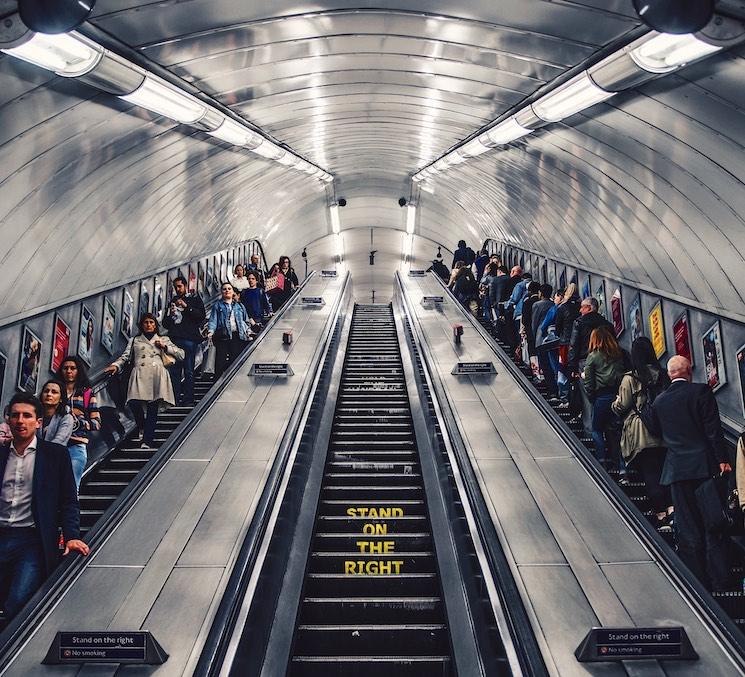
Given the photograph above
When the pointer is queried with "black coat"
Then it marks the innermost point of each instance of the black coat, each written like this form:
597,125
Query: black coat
580,339
192,319
566,314
465,254
498,288
54,499
688,417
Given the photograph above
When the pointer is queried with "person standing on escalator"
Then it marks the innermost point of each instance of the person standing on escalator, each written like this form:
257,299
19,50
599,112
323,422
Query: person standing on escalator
228,329
464,253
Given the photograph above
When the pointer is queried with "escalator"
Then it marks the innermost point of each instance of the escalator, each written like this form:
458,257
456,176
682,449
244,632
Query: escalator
372,600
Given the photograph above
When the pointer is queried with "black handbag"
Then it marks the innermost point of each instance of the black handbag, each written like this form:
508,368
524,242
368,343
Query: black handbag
221,334
721,515
575,398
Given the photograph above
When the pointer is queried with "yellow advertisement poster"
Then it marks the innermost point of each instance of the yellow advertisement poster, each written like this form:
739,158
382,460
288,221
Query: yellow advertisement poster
657,330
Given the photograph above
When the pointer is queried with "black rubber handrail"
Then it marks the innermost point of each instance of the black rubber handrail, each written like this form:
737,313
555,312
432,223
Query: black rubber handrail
46,598
216,645
522,636
690,588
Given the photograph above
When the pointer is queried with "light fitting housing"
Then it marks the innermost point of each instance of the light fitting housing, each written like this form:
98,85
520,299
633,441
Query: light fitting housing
164,99
236,134
410,218
664,53
573,96
69,55
505,132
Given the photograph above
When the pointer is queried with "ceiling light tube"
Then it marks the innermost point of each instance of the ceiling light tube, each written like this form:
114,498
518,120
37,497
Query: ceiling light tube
335,222
67,54
416,178
164,99
473,148
410,218
232,132
665,52
573,96
339,246
268,150
505,132
328,178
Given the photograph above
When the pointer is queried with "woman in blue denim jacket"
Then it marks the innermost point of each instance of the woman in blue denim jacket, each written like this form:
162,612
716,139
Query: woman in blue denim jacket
228,329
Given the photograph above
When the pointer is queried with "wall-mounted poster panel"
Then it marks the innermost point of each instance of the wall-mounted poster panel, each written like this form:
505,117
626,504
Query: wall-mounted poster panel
600,296
562,277
682,337
144,306
616,312
192,288
128,315
158,298
711,342
30,361
86,331
108,326
740,360
202,281
3,369
60,344
636,323
657,330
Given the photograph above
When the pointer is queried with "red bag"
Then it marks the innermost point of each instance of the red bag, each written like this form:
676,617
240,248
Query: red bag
275,285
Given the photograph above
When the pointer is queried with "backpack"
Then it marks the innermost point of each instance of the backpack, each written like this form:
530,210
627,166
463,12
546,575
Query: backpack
646,412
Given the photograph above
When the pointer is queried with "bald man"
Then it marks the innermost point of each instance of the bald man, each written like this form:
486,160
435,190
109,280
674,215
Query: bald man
688,418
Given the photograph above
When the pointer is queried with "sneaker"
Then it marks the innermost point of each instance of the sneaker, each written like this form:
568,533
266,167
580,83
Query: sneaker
148,445
624,481
665,524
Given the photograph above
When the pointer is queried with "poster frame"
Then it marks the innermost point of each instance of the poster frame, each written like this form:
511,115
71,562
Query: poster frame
127,330
684,315
108,306
657,308
721,364
740,372
618,294
81,336
28,334
57,319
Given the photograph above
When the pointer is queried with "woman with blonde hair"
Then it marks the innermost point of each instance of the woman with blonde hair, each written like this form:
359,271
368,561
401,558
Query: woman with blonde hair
603,372
566,314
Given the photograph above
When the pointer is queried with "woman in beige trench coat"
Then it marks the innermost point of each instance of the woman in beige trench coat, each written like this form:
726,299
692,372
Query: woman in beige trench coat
150,387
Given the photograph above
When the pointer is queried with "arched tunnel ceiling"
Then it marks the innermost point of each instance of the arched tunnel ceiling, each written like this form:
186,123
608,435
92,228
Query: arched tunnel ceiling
647,186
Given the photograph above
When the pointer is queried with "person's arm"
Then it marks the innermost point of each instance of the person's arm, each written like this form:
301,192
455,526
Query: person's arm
548,321
118,365
195,310
172,349
712,424
212,324
65,426
589,377
69,508
264,304
624,401
574,348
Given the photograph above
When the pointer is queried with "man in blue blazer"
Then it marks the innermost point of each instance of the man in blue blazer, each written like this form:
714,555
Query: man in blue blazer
37,492
688,418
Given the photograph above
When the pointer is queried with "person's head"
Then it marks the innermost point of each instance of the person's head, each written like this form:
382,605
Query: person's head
483,252
54,395
679,367
148,324
642,354
588,305
491,269
274,270
284,262
252,281
516,271
545,291
73,371
25,417
255,260
526,276
602,339
533,287
226,290
238,270
502,270
494,258
558,296
571,292
461,244
179,285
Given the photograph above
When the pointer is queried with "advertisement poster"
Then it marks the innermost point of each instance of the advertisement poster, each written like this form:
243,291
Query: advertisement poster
202,281
223,269
711,342
30,361
209,282
85,335
682,337
3,366
636,323
128,309
60,344
600,296
144,306
563,278
158,299
192,288
108,326
657,330
616,311
740,356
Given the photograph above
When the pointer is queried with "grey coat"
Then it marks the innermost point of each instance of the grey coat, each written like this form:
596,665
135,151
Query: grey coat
59,429
149,380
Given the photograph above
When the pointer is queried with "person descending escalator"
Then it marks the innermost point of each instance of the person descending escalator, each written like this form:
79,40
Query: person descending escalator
466,289
464,254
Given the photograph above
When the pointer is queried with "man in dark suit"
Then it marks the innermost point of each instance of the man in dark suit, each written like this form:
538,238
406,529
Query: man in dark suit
37,493
688,418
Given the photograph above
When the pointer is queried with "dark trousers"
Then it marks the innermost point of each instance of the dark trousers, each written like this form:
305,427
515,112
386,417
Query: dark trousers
549,375
146,417
226,351
21,566
704,553
649,463
184,369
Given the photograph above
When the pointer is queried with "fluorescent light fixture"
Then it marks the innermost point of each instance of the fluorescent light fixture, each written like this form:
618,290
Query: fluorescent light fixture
339,245
164,99
335,222
410,218
289,160
268,150
665,52
416,178
503,133
67,54
573,96
473,148
235,133
408,246
327,178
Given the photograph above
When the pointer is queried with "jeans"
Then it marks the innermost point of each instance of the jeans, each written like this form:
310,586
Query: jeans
487,309
602,419
226,352
549,375
79,459
21,566
184,392
649,463
562,383
146,418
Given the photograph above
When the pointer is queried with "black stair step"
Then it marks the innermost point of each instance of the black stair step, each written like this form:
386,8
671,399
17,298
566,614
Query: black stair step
394,525
352,640
407,467
351,542
366,564
371,666
371,610
344,585
372,492
359,455
365,479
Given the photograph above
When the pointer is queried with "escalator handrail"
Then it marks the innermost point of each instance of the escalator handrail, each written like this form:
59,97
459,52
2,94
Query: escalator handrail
44,600
524,653
688,586
233,599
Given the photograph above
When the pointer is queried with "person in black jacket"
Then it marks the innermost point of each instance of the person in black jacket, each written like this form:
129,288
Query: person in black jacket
688,419
183,320
37,496
464,253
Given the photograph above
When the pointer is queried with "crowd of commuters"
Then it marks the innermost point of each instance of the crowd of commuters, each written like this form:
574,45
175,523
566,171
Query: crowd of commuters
43,441
639,415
